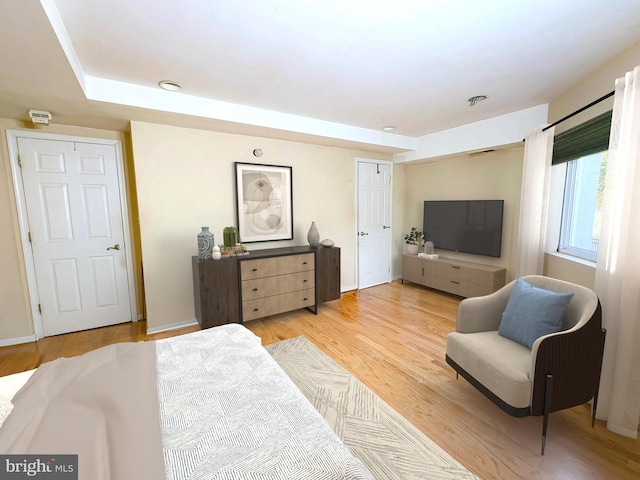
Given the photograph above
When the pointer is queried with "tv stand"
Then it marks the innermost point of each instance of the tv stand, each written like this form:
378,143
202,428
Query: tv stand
465,279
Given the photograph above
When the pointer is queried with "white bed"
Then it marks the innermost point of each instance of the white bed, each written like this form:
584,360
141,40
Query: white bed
207,405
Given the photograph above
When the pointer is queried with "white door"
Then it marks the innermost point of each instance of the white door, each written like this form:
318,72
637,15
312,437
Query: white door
374,223
75,221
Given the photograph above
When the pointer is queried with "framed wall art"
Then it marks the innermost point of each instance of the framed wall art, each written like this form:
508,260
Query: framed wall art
264,196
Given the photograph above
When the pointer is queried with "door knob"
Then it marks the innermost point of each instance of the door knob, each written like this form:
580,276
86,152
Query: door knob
115,247
363,233
384,227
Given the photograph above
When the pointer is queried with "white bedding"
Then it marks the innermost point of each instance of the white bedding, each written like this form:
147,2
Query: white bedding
225,409
10,384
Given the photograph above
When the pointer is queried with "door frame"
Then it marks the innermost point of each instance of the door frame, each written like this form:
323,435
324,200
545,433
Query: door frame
23,218
357,161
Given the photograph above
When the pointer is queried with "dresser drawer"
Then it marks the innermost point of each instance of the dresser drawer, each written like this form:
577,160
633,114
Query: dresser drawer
263,307
268,267
276,285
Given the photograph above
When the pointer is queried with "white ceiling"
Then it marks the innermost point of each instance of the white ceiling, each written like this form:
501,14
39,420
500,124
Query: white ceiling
333,70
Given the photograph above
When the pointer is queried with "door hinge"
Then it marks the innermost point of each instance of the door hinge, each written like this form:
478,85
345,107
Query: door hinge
40,308
29,236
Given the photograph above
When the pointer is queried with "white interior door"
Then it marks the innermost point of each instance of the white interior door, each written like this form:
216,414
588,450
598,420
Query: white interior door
75,220
374,223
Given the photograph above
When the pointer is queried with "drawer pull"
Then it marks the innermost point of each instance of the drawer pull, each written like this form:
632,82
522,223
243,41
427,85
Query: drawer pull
453,281
256,309
304,281
305,299
455,266
304,263
254,269
255,289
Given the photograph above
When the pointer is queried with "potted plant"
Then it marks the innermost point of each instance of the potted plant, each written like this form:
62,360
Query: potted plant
413,239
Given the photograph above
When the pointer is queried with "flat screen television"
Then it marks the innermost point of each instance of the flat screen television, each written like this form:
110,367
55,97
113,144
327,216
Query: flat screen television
467,226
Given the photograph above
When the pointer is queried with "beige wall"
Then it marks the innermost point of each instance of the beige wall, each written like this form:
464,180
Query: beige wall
15,315
185,180
496,175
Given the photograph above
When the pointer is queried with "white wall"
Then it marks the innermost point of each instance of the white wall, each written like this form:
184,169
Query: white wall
185,180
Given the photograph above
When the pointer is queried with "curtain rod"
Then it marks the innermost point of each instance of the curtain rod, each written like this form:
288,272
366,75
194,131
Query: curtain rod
595,102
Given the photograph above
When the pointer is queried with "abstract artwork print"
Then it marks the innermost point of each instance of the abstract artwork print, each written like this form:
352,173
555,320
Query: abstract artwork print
264,202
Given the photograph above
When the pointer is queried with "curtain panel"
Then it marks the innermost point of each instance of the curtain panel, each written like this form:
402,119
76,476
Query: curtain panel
617,281
533,201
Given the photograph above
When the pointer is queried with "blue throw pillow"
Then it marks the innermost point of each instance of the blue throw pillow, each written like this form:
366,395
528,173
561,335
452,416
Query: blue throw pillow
532,312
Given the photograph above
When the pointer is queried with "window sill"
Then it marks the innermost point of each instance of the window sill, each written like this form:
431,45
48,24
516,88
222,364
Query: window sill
571,258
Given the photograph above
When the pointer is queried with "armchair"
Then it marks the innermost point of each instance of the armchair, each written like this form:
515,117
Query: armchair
561,370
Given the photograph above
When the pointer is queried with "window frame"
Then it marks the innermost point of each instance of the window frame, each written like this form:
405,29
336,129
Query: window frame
568,214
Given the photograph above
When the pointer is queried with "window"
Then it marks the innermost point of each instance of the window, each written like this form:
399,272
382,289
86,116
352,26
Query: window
583,150
582,208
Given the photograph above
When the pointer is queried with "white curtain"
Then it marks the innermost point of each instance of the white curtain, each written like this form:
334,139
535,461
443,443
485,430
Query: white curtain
617,280
538,149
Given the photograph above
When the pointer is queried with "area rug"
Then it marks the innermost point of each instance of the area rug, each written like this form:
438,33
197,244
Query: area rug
389,445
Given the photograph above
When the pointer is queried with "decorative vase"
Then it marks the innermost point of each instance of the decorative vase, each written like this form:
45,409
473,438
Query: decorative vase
313,237
205,244
428,248
412,249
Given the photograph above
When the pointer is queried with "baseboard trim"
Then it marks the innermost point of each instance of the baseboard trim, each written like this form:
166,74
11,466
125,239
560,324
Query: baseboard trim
171,326
17,340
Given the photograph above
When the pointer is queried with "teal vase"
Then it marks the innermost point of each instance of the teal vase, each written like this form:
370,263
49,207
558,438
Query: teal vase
205,244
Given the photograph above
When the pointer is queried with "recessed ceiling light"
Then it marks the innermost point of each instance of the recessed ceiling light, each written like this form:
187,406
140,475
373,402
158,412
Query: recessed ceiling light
473,101
388,128
170,85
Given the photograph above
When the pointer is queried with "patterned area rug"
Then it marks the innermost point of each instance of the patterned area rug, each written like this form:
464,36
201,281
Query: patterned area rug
388,445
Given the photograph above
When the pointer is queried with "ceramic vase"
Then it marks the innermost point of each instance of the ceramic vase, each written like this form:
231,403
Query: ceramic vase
205,244
313,237
428,248
412,249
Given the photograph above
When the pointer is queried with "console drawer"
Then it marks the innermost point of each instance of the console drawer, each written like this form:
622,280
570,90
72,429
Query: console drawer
268,267
263,307
276,285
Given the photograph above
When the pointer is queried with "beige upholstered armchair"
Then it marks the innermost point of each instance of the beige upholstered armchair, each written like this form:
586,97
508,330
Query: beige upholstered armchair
556,371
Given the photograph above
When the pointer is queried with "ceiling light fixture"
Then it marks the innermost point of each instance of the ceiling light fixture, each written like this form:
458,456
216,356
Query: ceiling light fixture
473,101
170,85
388,128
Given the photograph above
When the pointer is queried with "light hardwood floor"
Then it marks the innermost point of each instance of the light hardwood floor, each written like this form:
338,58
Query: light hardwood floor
392,338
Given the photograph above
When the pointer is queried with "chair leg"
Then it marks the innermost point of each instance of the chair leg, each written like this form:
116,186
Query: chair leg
595,395
547,406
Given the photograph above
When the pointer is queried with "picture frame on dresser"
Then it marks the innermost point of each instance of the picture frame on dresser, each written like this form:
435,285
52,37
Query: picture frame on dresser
264,202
